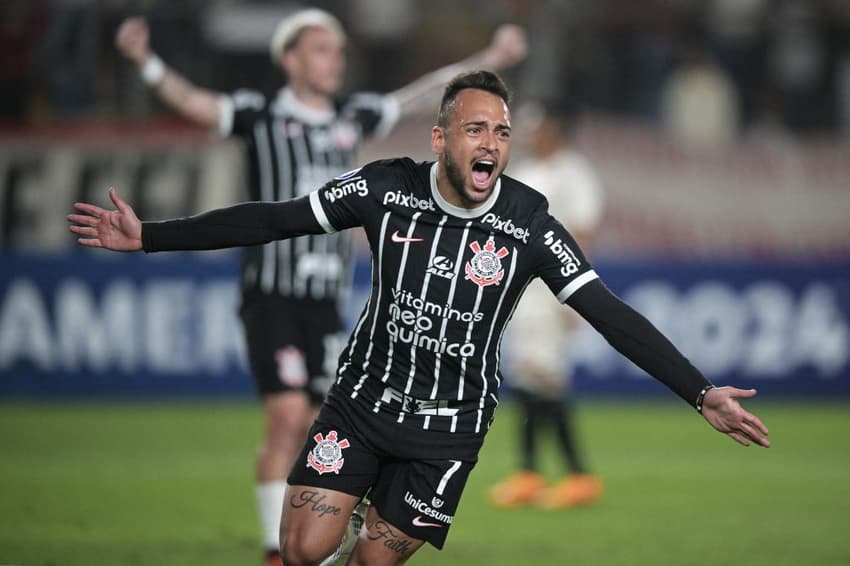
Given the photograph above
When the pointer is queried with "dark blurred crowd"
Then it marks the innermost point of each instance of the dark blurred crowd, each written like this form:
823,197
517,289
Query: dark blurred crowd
752,64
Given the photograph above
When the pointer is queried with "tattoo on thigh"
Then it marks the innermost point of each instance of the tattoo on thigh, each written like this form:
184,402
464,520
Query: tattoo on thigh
313,498
392,541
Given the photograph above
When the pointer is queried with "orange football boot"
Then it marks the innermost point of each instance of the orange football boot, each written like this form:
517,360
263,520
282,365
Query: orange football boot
519,488
572,491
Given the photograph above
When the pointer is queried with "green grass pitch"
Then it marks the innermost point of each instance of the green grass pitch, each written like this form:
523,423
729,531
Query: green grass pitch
172,484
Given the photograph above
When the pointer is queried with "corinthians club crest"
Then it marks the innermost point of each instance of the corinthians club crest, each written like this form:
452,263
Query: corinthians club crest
485,267
326,456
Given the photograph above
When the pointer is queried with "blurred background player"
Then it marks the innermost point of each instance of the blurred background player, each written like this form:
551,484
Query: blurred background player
538,367
297,141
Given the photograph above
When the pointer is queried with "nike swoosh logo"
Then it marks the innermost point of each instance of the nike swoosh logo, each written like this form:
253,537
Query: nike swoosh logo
418,522
398,239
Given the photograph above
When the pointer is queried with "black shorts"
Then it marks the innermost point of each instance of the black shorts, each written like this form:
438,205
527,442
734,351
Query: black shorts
420,497
292,344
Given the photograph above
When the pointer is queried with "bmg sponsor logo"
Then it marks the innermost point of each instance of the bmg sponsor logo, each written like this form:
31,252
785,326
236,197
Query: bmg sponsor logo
355,185
562,251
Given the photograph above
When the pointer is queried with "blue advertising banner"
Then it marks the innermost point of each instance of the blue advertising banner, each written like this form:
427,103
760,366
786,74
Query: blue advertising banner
780,326
97,323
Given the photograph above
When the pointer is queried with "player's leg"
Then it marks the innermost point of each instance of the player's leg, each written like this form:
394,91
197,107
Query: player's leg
314,517
531,321
530,423
413,502
314,521
333,472
524,485
356,523
279,370
285,415
382,543
322,341
578,487
560,415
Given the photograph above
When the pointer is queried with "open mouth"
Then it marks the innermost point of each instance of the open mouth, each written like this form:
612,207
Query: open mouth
481,172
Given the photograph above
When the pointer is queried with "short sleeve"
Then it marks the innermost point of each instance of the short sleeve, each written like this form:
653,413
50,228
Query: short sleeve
350,199
239,111
559,262
376,113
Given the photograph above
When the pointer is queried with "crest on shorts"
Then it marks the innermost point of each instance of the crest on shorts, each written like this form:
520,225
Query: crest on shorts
485,267
291,367
326,456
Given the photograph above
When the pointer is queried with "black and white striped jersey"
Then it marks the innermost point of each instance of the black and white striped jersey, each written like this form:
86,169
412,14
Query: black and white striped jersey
292,150
424,354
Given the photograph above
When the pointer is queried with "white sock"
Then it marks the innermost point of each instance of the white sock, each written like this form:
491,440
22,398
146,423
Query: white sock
270,505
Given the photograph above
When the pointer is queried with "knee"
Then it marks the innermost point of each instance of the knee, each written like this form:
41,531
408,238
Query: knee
287,422
288,425
300,544
295,552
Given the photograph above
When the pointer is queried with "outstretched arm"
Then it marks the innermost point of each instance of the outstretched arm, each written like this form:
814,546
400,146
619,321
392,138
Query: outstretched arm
245,224
635,337
507,48
198,105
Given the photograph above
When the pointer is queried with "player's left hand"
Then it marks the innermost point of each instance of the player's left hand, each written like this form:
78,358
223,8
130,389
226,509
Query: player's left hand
508,46
721,409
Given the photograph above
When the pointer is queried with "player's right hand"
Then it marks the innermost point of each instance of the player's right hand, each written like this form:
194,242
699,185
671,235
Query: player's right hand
118,230
133,40
508,47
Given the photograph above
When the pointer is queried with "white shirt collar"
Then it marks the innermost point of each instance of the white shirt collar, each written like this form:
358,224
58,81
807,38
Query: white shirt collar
463,212
287,103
